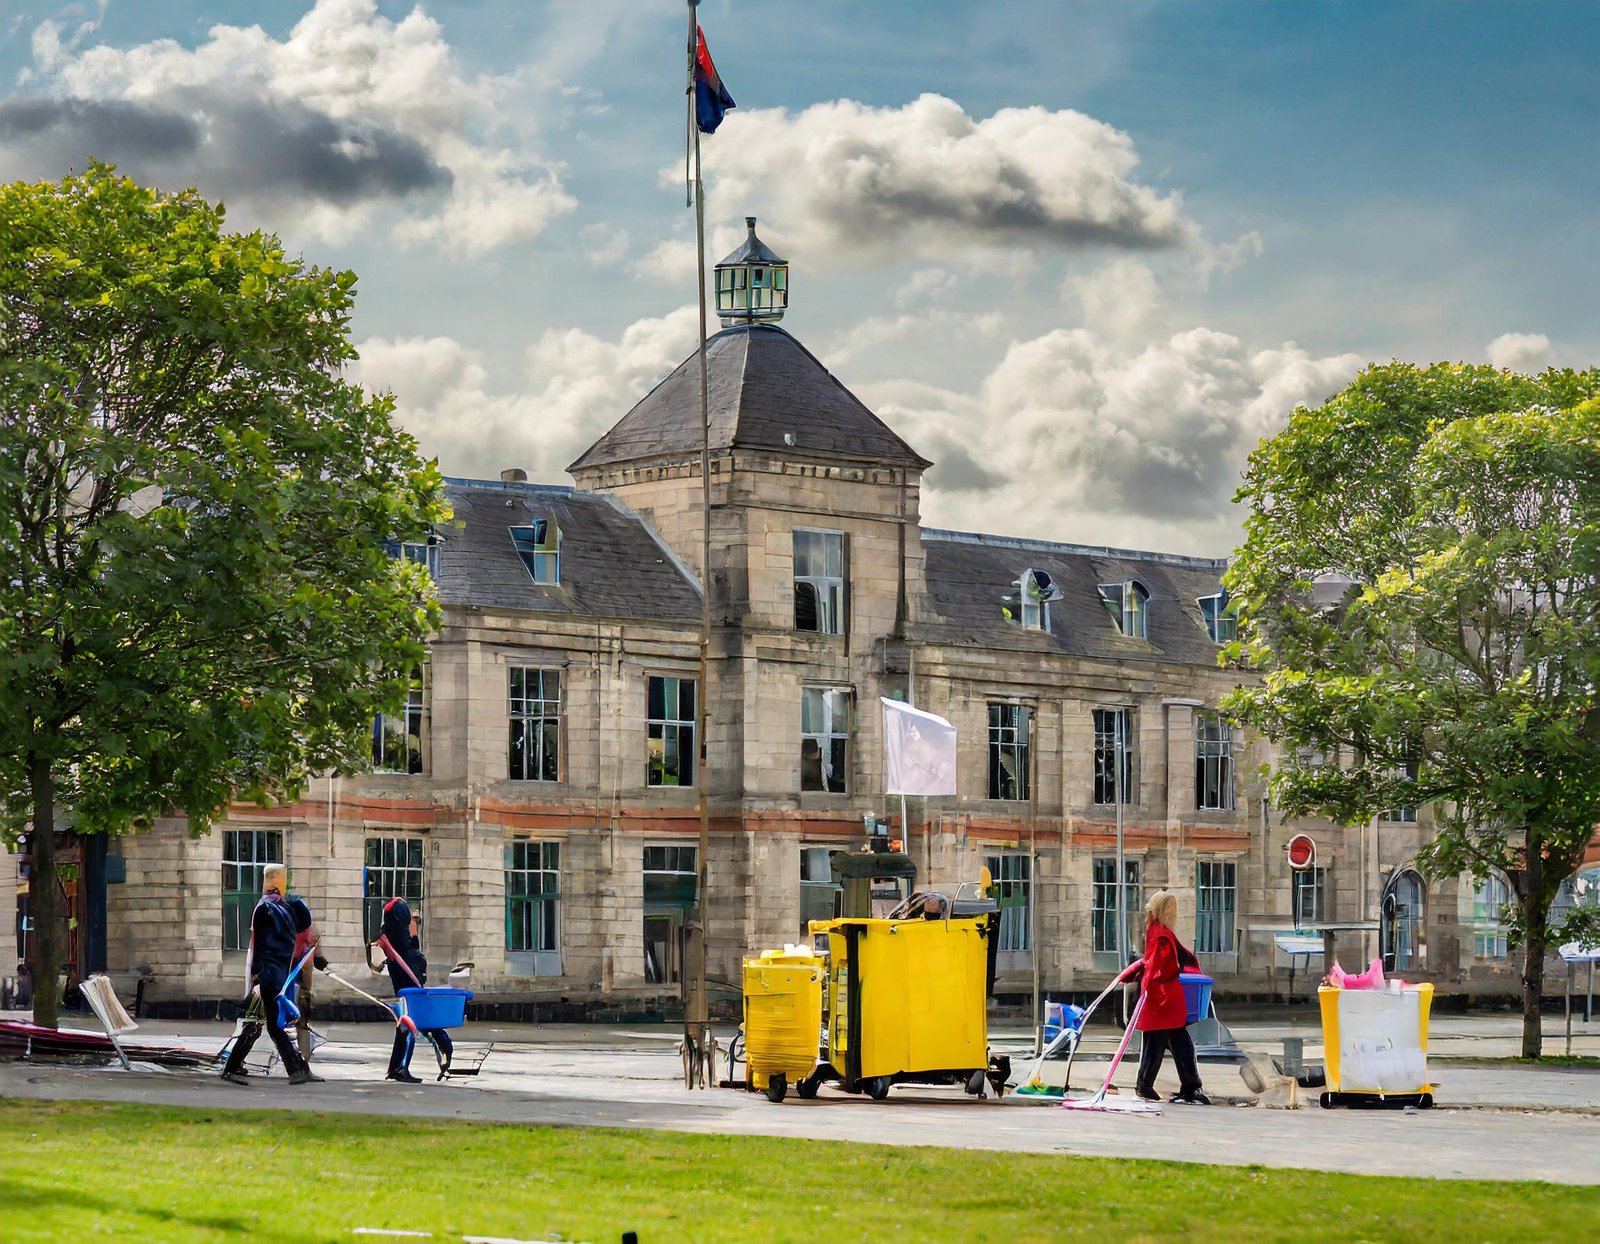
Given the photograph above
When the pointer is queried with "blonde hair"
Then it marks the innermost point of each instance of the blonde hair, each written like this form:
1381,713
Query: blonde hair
1162,908
275,872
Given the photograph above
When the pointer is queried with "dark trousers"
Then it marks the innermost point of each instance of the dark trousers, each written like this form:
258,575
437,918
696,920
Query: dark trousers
1155,1047
271,986
400,1054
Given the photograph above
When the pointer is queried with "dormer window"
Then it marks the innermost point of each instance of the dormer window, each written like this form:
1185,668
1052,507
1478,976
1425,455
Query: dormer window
424,552
1129,606
1221,616
1031,605
539,546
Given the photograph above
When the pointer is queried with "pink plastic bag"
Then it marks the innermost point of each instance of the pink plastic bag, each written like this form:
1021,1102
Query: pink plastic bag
1372,978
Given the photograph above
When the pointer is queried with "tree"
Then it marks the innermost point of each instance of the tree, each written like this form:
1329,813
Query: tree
1419,588
197,606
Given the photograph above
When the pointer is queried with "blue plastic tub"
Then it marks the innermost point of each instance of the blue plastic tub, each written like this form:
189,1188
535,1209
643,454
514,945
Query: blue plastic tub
1059,1015
435,1008
1197,994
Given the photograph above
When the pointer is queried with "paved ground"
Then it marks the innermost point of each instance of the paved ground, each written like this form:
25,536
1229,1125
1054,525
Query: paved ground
1493,1122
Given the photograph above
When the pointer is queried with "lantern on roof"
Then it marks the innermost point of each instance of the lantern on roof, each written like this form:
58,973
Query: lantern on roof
752,283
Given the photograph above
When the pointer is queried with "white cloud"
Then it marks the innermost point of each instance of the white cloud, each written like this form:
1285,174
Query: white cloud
928,181
1519,351
604,245
1074,437
576,386
1118,298
352,122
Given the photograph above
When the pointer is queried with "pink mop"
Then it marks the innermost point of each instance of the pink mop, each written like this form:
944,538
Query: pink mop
1116,1105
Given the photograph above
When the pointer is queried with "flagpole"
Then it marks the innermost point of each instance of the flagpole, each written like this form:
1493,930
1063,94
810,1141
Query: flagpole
696,1011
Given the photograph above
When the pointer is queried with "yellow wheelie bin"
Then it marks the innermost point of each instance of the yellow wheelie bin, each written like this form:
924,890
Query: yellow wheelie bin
1375,1046
782,1020
908,1000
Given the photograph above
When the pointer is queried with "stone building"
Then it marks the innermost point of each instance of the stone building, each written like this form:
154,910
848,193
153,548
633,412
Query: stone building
537,799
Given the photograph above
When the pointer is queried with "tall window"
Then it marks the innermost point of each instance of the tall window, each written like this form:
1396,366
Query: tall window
819,581
1310,896
1113,744
1129,606
1221,617
245,852
670,881
1103,904
1008,751
539,546
824,738
1216,899
397,737
393,869
1489,901
671,727
817,888
533,907
1405,814
535,725
1012,874
1213,763
1401,923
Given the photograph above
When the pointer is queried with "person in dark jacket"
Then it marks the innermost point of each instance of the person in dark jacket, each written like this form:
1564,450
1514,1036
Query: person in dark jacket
1164,1021
402,951
274,934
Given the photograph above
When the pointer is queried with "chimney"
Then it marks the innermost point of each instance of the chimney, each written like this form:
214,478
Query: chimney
513,475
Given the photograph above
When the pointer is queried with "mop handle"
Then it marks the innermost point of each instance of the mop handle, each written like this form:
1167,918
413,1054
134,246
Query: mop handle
1116,1059
1116,980
398,1018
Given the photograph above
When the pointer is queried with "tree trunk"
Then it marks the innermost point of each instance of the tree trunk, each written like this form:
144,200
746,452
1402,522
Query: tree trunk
44,908
1536,920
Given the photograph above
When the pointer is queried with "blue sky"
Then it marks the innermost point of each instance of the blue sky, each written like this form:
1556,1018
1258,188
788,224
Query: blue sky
1081,255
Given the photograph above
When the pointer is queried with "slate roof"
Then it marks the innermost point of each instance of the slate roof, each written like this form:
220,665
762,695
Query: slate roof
968,574
612,564
762,384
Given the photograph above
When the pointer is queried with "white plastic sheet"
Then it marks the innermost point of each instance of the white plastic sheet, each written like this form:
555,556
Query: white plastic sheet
1380,1041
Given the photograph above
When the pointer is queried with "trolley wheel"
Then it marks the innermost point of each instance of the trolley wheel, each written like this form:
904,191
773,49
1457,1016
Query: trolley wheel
1326,1101
876,1088
808,1087
777,1087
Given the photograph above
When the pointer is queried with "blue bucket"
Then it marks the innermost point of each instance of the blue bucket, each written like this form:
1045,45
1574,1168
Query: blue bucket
1196,994
435,1008
1059,1015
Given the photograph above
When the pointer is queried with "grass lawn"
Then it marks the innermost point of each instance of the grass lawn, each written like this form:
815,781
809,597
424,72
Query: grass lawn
73,1171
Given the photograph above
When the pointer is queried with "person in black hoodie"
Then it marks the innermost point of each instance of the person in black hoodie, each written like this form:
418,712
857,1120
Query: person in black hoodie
274,939
407,970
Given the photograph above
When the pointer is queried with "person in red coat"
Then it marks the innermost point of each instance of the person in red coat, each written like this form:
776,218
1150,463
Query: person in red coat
1164,1019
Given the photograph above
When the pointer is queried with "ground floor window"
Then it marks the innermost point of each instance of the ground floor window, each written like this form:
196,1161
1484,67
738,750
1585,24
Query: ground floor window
670,882
1103,905
245,853
533,907
1310,896
392,869
1400,928
1216,900
1490,899
1012,874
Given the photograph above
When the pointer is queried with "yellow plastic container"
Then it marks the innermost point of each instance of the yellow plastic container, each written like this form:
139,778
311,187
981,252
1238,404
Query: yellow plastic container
782,1018
906,997
1375,1041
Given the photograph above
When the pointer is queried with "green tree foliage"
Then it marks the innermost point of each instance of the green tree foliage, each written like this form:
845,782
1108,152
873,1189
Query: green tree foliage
197,605
1420,589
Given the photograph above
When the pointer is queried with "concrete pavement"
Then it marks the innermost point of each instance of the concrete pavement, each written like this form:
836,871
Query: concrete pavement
1496,1122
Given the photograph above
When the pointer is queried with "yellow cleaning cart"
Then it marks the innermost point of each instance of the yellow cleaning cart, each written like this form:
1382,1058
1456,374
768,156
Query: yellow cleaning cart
908,998
1375,1046
782,1020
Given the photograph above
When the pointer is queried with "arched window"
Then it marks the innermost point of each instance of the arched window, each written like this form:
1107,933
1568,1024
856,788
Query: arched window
1400,929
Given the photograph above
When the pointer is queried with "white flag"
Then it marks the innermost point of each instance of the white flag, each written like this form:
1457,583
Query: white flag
919,751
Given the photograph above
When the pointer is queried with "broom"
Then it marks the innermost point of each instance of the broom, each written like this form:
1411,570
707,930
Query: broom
1033,1084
